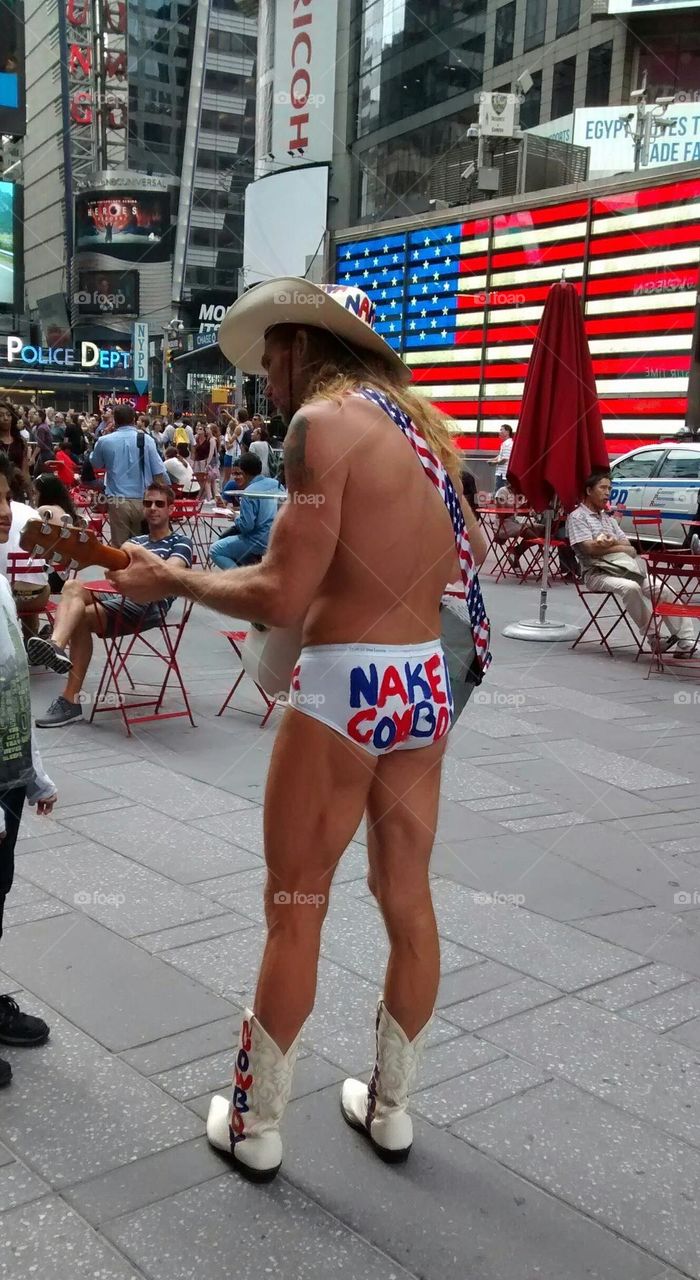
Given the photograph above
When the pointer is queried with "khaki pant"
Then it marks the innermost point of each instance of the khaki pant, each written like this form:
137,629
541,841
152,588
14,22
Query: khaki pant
635,598
125,519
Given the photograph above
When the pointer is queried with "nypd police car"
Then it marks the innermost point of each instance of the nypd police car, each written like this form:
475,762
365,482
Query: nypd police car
661,477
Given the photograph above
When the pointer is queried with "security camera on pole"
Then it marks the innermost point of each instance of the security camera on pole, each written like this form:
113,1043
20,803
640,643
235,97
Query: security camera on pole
499,117
648,121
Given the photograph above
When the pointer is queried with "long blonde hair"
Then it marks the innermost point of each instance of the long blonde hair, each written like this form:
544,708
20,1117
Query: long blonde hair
342,370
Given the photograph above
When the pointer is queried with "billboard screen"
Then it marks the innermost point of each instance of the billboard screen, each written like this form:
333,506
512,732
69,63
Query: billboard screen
8,248
12,103
461,303
285,223
55,325
134,226
114,293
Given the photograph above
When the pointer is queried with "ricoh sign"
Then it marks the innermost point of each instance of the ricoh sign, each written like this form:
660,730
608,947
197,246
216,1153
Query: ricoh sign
304,81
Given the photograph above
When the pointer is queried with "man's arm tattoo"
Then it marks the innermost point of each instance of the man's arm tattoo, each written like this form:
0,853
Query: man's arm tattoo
295,466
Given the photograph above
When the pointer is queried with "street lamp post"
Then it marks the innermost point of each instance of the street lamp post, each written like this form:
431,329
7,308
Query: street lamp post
171,336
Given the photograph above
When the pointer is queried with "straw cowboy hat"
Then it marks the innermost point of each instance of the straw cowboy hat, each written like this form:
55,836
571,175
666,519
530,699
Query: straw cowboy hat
348,313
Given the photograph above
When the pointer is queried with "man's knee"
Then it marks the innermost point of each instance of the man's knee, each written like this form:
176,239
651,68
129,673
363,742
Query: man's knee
406,905
74,590
295,910
627,589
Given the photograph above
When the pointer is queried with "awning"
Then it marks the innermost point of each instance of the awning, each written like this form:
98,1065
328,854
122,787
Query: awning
209,359
27,379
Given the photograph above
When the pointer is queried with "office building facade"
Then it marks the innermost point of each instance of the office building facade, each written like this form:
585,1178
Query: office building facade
414,72
128,103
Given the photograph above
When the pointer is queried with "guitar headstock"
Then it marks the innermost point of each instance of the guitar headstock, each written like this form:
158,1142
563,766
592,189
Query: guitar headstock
63,544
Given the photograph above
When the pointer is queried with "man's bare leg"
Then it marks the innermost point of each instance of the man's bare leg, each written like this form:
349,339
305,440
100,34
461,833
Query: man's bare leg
92,624
72,607
402,816
316,794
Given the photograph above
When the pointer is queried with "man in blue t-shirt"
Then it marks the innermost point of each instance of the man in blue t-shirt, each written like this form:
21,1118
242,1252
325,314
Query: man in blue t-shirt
131,462
83,614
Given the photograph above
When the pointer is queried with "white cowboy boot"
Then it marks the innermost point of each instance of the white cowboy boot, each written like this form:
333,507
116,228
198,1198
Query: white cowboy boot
379,1108
247,1126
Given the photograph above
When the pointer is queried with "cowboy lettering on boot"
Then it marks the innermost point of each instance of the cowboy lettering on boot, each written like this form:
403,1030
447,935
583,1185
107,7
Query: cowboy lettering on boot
242,1085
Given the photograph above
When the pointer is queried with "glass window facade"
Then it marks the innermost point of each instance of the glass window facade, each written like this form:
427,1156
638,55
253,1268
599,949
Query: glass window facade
568,13
415,57
404,169
232,42
225,82
535,23
222,122
227,167
505,34
598,75
160,34
531,107
563,88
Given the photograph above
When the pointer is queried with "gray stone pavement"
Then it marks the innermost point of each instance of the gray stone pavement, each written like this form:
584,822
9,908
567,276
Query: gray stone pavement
558,1104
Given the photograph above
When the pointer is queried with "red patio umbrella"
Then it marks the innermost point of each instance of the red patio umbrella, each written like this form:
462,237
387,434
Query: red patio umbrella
560,437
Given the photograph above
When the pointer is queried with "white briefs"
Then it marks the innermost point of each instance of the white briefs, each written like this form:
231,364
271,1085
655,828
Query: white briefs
384,697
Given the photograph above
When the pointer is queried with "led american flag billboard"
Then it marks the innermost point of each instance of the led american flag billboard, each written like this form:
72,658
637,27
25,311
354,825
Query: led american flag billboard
462,301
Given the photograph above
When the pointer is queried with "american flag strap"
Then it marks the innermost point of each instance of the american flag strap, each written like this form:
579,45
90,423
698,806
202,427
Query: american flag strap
435,470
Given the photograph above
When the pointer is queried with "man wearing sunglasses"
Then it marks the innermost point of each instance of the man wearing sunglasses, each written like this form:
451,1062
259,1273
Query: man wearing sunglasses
83,614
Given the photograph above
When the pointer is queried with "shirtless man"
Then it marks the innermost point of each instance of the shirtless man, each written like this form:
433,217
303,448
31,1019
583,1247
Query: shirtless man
360,555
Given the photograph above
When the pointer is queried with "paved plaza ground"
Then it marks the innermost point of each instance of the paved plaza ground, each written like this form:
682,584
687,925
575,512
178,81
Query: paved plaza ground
557,1111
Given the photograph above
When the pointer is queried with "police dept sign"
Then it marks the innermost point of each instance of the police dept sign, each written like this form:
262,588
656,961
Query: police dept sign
87,356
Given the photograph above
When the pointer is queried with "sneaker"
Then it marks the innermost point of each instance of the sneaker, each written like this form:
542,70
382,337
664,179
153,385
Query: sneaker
59,713
20,1028
44,652
685,651
663,644
5,1072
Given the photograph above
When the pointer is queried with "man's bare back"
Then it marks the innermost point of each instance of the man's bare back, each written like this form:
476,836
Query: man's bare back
395,550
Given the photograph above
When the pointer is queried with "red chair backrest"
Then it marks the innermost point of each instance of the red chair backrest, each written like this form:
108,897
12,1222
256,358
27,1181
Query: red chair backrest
21,565
681,565
184,509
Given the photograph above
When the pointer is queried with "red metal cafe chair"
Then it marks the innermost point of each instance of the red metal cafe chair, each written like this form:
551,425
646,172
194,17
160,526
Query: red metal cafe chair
647,527
119,687
605,614
502,548
532,560
19,566
185,516
236,639
679,573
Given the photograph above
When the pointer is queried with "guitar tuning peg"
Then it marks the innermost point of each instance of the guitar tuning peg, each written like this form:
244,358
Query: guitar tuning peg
45,527
74,565
56,558
37,551
82,536
66,521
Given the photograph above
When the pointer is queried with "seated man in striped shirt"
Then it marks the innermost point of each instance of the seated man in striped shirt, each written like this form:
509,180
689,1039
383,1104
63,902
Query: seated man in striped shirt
83,614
